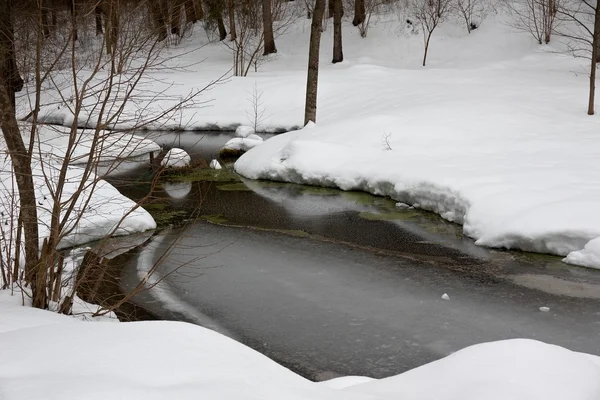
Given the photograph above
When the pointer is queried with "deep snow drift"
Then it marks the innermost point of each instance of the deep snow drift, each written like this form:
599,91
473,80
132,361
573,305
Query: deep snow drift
57,357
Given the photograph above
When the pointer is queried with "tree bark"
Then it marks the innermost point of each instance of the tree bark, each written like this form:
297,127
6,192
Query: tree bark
98,16
176,18
190,11
160,22
221,26
595,55
45,21
310,108
359,12
11,82
426,48
231,13
267,15
338,55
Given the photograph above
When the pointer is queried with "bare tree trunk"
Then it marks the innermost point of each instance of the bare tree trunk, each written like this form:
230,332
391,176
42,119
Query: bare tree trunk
338,55
45,22
231,12
176,18
73,11
267,15
11,82
330,8
98,15
310,109
426,48
160,22
595,55
221,26
359,12
199,9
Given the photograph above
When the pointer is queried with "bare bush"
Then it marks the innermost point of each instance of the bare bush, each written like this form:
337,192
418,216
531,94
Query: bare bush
537,17
429,13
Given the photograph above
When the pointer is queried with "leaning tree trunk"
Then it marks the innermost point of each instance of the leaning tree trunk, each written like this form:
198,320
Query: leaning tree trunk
310,108
359,12
338,55
595,55
267,15
11,82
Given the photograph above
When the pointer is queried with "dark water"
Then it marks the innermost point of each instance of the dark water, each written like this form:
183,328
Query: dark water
331,283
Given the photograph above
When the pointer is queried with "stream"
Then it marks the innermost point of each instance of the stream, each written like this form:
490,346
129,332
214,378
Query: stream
331,283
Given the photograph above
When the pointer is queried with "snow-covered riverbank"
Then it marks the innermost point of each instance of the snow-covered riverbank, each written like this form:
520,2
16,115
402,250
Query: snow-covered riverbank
53,356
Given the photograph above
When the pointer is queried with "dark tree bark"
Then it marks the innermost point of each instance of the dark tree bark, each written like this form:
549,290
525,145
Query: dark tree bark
359,12
231,12
338,55
160,22
310,108
330,8
176,18
221,26
73,10
190,11
45,21
98,15
214,8
11,82
267,15
595,55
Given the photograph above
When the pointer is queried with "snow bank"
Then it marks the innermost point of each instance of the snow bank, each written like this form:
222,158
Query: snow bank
214,164
243,144
55,357
176,158
589,256
517,369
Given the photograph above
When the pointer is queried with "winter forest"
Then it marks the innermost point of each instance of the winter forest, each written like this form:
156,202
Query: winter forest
299,199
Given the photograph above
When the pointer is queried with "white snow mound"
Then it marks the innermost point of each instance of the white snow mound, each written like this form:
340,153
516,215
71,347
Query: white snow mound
176,158
589,256
243,144
214,164
244,131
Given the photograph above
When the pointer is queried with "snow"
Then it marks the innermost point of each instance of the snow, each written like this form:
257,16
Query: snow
243,131
176,158
107,211
214,164
445,296
243,144
50,358
589,256
544,309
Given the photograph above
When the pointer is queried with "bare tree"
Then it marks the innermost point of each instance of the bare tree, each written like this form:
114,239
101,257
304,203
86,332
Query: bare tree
430,13
469,10
310,109
580,27
359,12
267,18
537,17
338,11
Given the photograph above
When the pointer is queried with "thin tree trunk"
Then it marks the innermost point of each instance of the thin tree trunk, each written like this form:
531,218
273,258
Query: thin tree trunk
45,22
98,15
338,55
221,26
11,82
231,12
595,55
199,9
310,109
176,18
359,12
267,15
73,11
330,8
426,48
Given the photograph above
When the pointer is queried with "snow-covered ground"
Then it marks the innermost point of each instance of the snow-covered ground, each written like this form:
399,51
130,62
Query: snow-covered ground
100,207
58,357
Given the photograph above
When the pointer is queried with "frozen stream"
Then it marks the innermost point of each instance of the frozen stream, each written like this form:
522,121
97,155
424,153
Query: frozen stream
331,283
